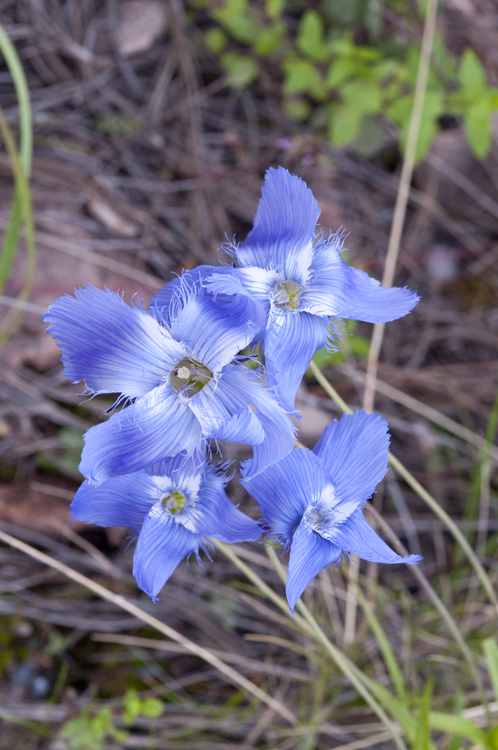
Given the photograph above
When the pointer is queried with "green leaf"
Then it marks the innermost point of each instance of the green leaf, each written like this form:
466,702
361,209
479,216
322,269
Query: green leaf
385,69
274,8
400,110
343,11
477,125
433,108
429,124
471,73
339,71
301,77
152,707
269,39
490,648
236,19
369,142
345,125
310,36
364,96
215,40
241,69
493,738
132,706
229,10
453,724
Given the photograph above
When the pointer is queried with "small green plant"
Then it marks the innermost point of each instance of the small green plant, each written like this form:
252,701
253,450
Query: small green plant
90,730
344,91
136,706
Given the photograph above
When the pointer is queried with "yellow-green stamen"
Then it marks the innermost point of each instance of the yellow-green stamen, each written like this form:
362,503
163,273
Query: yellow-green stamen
174,501
286,294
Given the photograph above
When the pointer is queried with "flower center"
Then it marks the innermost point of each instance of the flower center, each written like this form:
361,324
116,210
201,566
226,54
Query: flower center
174,501
189,377
315,517
286,294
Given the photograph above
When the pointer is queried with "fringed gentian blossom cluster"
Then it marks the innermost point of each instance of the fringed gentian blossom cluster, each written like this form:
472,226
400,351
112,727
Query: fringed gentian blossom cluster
181,373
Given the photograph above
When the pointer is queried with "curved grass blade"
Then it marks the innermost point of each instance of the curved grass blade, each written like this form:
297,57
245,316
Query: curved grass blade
21,166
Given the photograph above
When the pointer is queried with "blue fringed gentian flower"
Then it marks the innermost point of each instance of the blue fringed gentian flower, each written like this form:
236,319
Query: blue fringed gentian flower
302,282
312,501
172,509
178,372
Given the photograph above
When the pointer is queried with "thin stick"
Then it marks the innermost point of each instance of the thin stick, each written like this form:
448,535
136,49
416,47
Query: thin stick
231,674
403,193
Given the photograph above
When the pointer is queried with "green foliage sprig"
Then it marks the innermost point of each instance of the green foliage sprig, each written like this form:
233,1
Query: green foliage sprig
346,92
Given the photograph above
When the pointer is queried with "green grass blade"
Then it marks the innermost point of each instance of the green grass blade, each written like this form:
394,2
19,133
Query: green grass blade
422,735
10,240
457,725
22,90
490,648
21,206
385,647
23,192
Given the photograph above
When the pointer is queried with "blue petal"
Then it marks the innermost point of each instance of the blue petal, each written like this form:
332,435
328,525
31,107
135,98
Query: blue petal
285,489
180,467
254,282
239,392
156,426
215,333
309,555
291,340
284,227
279,432
356,535
169,300
335,288
354,453
217,517
225,413
113,347
161,546
122,501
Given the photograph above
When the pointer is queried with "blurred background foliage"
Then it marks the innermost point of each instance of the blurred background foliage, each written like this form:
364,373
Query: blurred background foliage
342,73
